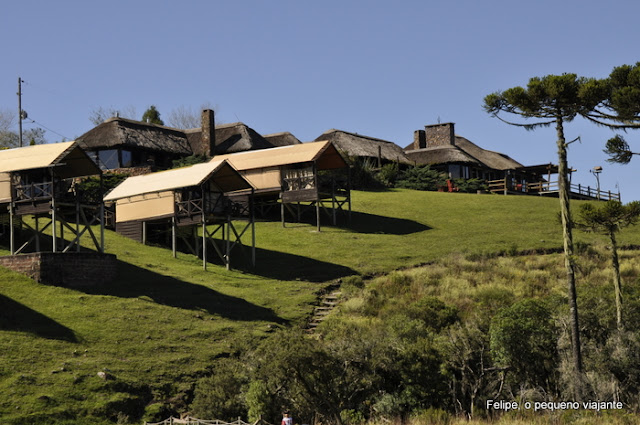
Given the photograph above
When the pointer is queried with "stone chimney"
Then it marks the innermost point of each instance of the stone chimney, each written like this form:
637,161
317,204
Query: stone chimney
208,141
419,139
439,135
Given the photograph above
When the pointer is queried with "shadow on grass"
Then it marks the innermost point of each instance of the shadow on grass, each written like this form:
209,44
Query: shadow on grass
18,317
363,223
284,266
372,223
134,282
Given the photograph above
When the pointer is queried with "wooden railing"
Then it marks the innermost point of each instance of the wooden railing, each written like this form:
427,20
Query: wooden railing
299,183
189,208
505,185
33,191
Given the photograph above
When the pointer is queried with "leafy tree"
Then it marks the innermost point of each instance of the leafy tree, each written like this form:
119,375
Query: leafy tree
555,100
152,116
608,219
524,338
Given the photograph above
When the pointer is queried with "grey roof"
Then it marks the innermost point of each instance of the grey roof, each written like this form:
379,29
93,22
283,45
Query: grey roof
464,151
357,145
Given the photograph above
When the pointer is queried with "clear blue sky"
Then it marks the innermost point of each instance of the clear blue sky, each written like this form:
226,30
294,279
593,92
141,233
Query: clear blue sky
379,68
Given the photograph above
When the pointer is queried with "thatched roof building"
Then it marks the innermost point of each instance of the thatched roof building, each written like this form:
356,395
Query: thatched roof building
438,146
357,145
125,143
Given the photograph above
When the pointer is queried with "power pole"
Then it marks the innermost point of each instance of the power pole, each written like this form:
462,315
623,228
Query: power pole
20,113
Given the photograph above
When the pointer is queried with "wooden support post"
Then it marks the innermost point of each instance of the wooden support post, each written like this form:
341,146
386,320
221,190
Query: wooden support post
101,215
77,223
317,186
62,233
37,233
11,231
144,233
204,241
282,211
173,237
333,199
349,191
253,228
228,244
54,225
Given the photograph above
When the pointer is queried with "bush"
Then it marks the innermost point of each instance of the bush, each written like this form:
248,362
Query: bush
470,185
219,395
421,177
524,338
189,160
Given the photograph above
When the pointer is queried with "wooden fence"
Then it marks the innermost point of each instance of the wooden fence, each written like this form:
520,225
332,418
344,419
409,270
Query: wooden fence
551,187
188,420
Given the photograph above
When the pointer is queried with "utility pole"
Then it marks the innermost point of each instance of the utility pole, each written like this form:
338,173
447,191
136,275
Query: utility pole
20,112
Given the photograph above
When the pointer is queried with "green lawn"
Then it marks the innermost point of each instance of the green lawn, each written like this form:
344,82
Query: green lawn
158,326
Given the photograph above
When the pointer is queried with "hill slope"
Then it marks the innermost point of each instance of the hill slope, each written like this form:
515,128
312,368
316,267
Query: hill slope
156,329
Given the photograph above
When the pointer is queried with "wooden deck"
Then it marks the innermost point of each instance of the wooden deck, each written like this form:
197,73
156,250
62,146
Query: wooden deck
551,188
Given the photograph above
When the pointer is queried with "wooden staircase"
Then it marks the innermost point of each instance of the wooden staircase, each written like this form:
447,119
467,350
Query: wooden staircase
326,304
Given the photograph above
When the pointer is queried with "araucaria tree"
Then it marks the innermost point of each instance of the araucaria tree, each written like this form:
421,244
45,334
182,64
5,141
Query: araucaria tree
608,219
555,100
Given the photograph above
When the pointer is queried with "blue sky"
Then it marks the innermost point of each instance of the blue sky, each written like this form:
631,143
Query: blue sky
379,68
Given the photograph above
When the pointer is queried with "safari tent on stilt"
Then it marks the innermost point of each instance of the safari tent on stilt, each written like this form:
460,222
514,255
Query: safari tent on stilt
304,177
41,182
178,202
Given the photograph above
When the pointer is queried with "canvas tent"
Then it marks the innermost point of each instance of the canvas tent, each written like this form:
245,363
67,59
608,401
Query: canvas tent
39,180
291,176
185,197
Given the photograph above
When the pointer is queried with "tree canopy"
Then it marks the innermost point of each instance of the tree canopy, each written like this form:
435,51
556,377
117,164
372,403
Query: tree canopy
152,116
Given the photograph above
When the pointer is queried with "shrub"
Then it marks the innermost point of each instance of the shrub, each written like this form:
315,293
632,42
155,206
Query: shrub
524,337
470,185
421,177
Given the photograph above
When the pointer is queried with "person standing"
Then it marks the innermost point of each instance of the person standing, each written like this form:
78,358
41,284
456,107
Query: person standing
286,419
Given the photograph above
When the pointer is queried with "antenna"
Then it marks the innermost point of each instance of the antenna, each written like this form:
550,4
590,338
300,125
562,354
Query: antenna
21,114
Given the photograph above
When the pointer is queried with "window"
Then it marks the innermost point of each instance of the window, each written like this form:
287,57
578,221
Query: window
108,159
126,158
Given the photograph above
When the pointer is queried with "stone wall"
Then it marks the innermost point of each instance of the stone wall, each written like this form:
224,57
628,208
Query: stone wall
440,135
71,269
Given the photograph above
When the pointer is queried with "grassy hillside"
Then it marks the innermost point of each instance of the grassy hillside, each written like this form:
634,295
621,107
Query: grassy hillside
157,328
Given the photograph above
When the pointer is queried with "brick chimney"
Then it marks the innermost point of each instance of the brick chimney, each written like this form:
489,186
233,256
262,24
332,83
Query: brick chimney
439,135
208,141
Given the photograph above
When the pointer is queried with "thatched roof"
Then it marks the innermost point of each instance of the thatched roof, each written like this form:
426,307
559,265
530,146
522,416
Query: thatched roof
230,138
121,132
464,151
357,145
282,139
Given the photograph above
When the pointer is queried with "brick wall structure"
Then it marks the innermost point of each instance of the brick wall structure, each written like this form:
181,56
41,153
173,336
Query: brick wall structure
71,269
